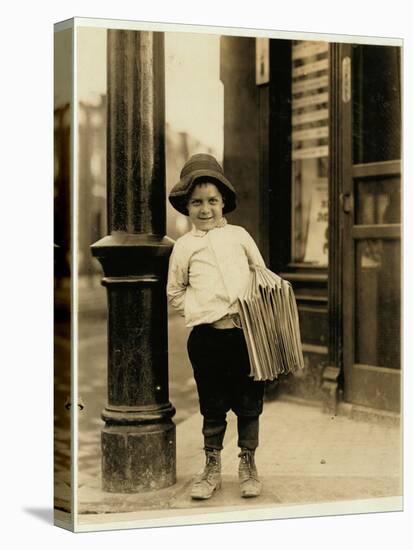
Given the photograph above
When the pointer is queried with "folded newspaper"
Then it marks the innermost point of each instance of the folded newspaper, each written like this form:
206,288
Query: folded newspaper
269,318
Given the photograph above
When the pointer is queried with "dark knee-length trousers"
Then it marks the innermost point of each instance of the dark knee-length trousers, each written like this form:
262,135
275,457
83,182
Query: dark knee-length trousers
221,367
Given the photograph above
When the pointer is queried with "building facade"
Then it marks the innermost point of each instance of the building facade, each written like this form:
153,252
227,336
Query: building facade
312,141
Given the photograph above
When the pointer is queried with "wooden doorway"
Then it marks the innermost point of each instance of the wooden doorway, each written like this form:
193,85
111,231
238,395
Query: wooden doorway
370,129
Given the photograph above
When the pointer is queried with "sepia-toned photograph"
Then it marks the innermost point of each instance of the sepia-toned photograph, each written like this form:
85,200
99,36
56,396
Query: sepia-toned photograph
227,274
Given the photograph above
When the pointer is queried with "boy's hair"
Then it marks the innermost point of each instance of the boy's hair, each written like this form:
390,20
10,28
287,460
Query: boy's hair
204,180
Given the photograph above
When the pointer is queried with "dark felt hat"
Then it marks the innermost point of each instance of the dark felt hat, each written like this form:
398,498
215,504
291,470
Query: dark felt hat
205,167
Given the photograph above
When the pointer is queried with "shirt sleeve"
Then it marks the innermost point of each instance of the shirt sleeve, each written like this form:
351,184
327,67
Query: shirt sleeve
177,278
252,251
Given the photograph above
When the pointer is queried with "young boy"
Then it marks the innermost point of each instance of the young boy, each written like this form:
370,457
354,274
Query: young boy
209,269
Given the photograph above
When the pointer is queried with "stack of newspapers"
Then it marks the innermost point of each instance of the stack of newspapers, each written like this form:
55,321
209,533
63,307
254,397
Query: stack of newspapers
269,318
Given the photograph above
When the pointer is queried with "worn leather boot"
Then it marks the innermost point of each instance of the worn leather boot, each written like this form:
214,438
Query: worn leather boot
210,479
250,485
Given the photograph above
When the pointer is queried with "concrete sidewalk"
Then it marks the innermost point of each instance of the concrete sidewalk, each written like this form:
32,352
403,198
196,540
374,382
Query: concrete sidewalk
305,457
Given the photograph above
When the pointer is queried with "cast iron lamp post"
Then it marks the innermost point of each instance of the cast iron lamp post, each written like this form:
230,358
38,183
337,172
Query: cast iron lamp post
138,440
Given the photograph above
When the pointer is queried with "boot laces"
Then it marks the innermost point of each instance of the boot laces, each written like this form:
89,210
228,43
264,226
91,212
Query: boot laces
211,467
247,465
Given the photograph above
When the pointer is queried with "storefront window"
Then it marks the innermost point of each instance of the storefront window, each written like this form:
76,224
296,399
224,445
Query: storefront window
376,104
310,153
377,297
377,201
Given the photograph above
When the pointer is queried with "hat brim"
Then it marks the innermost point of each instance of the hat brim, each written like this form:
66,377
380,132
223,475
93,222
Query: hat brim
181,191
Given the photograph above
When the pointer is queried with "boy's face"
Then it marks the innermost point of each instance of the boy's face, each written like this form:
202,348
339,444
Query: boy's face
205,206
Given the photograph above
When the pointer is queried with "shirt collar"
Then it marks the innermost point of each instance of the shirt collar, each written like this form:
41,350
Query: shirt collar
199,233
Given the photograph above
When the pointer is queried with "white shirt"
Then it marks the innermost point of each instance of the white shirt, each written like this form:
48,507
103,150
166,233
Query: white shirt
209,270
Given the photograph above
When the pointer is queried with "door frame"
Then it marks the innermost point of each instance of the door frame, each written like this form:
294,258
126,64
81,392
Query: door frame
367,385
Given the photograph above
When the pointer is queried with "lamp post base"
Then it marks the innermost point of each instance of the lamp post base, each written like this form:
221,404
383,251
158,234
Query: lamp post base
137,459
